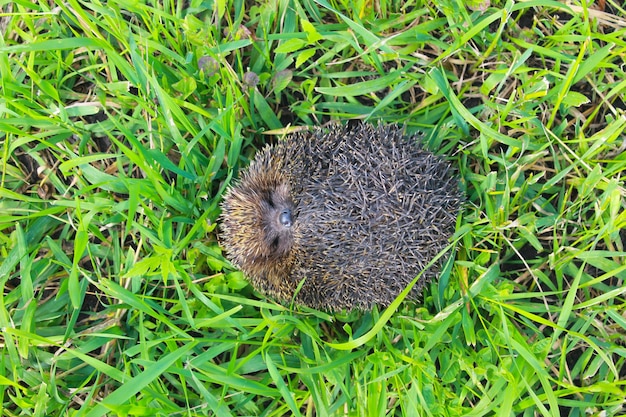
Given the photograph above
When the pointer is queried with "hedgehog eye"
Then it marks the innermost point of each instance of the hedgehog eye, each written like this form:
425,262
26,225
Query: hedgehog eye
285,218
275,243
270,200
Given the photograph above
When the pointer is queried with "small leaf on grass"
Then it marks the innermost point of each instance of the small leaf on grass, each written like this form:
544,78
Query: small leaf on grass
312,35
304,56
69,326
132,205
478,5
186,86
117,87
66,166
103,180
80,245
54,45
145,266
537,90
491,82
265,111
281,80
166,163
291,45
236,280
6,382
530,237
172,112
26,282
234,149
82,109
574,99
28,325
591,62
468,328
217,157
221,8
361,88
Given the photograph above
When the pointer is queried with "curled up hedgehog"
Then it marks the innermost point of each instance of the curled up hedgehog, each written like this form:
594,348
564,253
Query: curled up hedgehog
340,218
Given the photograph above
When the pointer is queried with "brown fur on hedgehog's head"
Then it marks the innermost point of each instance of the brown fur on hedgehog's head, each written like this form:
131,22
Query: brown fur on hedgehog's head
258,230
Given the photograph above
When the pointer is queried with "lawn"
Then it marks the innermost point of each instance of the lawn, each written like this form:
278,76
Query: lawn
122,123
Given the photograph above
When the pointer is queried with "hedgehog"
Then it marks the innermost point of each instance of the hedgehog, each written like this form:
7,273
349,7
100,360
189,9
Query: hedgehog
341,218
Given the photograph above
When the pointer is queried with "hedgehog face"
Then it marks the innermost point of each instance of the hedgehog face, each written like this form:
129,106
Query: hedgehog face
276,221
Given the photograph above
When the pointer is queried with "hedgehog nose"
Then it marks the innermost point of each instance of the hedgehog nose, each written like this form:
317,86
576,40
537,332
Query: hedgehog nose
285,218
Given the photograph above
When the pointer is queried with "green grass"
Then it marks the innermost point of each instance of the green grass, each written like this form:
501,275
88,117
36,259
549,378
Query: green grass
122,122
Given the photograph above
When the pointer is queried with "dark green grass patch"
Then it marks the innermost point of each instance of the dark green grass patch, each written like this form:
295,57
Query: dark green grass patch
123,122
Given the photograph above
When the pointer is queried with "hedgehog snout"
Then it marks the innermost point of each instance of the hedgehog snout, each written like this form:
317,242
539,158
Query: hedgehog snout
284,218
278,221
